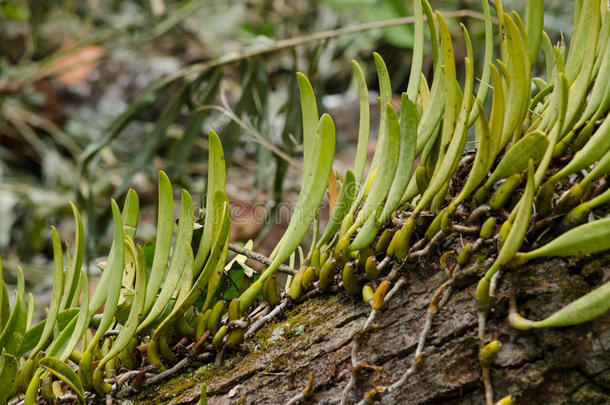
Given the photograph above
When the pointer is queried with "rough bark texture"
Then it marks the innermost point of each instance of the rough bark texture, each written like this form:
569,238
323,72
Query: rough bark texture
550,366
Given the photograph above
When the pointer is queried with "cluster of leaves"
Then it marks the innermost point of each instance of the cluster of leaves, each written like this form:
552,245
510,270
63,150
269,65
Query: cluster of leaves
540,140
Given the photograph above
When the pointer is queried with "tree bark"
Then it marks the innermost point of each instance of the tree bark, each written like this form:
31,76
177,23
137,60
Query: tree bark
568,365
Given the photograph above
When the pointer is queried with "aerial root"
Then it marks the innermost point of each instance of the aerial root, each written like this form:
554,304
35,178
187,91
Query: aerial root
303,394
439,299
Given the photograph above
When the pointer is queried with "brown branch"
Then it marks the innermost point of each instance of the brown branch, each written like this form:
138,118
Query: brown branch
260,258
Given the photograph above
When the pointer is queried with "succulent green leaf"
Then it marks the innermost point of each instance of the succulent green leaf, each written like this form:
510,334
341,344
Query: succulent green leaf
217,273
128,329
454,149
5,305
33,335
216,254
534,25
532,146
342,205
163,245
513,241
70,336
579,88
363,126
131,210
452,98
589,12
427,129
547,49
174,273
560,106
586,308
406,160
482,160
518,94
519,228
58,283
9,369
72,273
306,208
593,150
62,371
418,52
216,181
487,62
385,93
101,292
309,113
390,150
592,237
14,331
114,267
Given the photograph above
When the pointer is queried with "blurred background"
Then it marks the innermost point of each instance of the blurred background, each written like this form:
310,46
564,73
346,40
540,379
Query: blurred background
97,96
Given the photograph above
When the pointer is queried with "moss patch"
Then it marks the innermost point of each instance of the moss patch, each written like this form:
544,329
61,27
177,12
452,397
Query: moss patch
300,326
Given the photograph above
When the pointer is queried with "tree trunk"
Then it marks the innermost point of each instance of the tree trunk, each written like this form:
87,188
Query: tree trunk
550,366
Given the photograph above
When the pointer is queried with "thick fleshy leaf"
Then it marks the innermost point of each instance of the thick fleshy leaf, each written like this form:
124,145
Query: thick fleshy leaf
14,331
163,244
70,285
174,273
62,371
114,267
306,208
216,181
9,369
363,126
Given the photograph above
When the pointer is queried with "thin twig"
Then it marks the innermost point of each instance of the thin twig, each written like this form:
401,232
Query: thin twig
477,244
226,109
237,323
426,250
259,311
264,319
232,57
169,372
260,258
204,356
